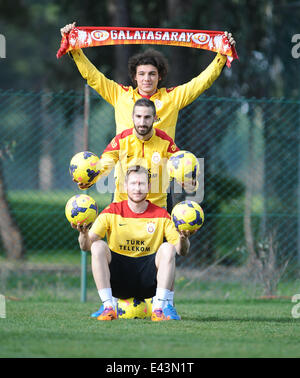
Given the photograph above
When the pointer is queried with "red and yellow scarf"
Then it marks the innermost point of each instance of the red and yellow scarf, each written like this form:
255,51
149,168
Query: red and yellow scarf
82,37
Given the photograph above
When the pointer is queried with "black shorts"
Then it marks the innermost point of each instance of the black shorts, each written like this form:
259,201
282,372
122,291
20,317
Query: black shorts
133,277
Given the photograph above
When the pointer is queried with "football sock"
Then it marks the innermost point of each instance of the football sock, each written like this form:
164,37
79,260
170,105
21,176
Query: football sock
160,299
170,298
115,302
106,297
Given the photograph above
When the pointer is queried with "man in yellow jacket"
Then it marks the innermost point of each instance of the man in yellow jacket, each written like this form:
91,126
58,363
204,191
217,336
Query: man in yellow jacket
141,145
147,70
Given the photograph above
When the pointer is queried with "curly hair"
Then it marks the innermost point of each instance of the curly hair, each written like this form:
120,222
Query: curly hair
149,56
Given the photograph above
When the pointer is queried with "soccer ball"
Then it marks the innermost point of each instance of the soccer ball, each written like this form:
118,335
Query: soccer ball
131,308
149,307
83,167
183,166
80,209
187,215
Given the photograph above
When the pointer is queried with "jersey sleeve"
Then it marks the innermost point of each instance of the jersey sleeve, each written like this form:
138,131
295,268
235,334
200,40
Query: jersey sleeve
172,148
186,93
170,232
109,157
101,225
108,89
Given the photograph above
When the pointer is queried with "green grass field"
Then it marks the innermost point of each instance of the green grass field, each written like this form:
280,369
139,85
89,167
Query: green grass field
209,328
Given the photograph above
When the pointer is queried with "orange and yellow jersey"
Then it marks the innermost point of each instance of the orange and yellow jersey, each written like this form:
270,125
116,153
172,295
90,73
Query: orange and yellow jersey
152,154
168,101
132,234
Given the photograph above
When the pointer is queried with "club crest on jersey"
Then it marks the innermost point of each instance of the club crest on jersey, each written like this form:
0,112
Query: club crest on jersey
158,104
150,227
155,157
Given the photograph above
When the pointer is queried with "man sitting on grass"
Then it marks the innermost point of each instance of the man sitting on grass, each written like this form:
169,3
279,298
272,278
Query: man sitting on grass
135,261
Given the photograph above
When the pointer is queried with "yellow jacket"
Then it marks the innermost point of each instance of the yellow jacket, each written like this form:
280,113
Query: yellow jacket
152,154
168,101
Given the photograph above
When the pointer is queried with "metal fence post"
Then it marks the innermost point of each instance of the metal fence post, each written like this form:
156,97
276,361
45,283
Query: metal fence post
86,145
83,276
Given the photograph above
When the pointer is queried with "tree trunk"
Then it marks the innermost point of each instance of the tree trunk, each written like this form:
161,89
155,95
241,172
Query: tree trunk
10,234
180,66
119,15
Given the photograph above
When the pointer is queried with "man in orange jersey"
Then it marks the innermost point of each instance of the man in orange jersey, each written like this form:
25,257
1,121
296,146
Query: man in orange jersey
135,261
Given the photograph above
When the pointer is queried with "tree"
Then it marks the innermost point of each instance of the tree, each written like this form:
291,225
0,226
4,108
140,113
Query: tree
119,14
10,233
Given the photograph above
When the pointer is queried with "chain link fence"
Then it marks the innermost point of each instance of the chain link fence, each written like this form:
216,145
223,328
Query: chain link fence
250,241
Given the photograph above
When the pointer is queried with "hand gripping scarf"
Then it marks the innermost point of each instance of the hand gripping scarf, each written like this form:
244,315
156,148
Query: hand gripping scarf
82,37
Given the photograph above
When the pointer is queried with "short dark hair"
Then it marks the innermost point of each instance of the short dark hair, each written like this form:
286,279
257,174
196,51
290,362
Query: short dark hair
149,56
145,102
137,169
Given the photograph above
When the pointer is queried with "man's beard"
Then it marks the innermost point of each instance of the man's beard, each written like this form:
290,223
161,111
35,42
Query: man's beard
144,132
137,201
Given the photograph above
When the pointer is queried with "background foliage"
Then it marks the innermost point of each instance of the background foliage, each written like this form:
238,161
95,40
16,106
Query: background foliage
246,126
263,31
